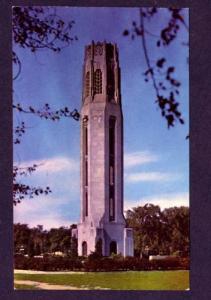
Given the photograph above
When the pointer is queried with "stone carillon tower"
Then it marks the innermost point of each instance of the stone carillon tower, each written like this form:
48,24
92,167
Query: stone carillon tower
102,226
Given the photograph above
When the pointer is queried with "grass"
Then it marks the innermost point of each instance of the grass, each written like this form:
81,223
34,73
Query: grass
131,280
25,287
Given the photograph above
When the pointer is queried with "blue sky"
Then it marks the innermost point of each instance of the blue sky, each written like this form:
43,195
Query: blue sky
156,159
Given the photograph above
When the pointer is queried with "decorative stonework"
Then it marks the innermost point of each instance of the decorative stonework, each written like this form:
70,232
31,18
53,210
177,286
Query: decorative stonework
102,222
99,49
97,118
88,52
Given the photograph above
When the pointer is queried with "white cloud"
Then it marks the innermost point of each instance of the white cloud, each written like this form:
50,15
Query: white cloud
164,200
151,176
53,165
48,222
44,211
61,174
139,158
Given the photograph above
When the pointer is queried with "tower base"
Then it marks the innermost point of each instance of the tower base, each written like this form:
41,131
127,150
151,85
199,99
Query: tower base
106,240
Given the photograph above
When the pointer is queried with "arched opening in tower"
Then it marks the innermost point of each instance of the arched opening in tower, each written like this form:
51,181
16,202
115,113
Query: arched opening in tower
113,247
84,248
99,247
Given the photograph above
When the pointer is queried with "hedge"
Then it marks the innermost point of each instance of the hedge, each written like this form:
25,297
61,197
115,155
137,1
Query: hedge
47,263
99,264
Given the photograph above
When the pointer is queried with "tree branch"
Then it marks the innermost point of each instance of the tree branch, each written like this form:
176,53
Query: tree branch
46,112
146,53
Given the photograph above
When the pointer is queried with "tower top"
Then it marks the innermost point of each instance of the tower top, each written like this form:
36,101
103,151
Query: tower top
108,50
101,73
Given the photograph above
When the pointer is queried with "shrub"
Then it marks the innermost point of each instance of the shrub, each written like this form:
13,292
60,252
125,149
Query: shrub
47,263
96,263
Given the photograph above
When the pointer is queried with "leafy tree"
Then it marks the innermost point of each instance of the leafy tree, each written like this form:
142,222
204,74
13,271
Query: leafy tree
178,221
36,241
73,243
59,239
37,235
37,249
146,222
159,232
21,237
34,29
31,250
74,247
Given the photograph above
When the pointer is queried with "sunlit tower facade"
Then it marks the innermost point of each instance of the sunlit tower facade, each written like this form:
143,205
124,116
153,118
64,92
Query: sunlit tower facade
102,224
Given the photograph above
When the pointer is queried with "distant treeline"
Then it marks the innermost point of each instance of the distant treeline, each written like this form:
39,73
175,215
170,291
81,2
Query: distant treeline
155,232
36,241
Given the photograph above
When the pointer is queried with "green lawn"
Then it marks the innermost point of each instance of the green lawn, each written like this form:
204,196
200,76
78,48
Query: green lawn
25,287
131,280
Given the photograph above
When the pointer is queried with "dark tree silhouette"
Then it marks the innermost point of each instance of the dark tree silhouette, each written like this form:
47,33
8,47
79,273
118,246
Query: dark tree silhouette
44,113
21,190
35,29
38,28
161,74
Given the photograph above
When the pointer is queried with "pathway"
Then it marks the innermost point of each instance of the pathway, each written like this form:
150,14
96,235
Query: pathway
47,286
